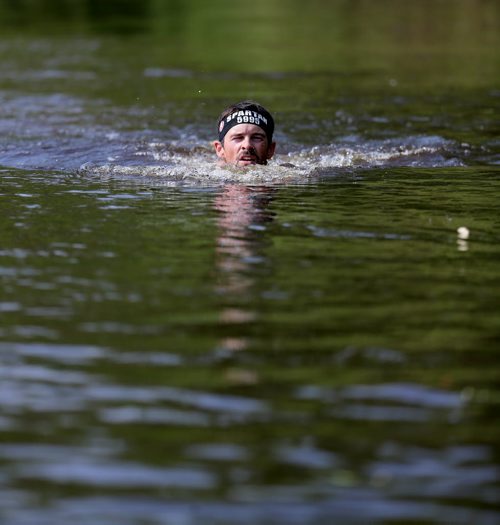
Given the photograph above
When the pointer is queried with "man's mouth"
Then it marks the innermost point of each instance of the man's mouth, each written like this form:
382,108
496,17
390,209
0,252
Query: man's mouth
248,158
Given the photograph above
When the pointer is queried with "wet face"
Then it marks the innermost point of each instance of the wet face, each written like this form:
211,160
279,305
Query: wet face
245,145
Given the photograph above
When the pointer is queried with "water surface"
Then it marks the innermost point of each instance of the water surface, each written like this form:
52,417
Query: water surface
304,343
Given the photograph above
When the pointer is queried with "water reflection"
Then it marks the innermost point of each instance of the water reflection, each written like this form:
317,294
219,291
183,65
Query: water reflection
243,215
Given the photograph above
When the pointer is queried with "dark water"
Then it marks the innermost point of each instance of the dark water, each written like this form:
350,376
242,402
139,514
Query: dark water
305,344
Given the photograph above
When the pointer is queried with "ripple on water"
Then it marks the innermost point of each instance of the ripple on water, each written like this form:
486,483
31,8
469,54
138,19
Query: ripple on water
116,474
457,473
67,354
165,416
343,507
388,402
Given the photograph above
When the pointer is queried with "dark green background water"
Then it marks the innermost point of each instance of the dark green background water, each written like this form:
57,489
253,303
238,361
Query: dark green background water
181,344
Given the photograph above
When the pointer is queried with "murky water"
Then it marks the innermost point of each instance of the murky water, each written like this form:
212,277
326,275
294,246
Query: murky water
310,342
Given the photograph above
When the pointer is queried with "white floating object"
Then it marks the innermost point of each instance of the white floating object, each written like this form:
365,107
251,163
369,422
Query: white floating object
463,232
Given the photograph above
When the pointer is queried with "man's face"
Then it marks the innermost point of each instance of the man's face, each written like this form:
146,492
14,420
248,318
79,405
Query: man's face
245,144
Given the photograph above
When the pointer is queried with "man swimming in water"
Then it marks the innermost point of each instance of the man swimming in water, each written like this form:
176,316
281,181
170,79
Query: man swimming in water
245,134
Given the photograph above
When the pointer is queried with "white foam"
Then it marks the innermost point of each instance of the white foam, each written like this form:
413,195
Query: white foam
190,163
203,171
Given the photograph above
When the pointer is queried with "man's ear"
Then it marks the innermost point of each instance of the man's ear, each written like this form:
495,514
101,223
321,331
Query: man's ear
219,149
270,150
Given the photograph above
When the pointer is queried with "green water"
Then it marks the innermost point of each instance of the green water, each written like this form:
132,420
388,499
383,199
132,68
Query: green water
181,344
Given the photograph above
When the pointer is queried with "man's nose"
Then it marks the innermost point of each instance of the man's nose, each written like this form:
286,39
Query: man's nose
246,143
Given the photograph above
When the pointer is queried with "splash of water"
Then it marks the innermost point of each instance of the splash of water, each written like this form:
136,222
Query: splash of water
175,164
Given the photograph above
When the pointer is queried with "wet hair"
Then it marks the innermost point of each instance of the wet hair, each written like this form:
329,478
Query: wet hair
245,112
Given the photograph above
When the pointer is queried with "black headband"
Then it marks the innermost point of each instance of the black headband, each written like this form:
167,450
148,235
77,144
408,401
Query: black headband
251,115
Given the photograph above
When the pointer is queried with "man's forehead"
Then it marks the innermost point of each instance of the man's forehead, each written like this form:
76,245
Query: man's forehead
246,129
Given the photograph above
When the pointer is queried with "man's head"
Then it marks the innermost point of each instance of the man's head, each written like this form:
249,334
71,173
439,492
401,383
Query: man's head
245,134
